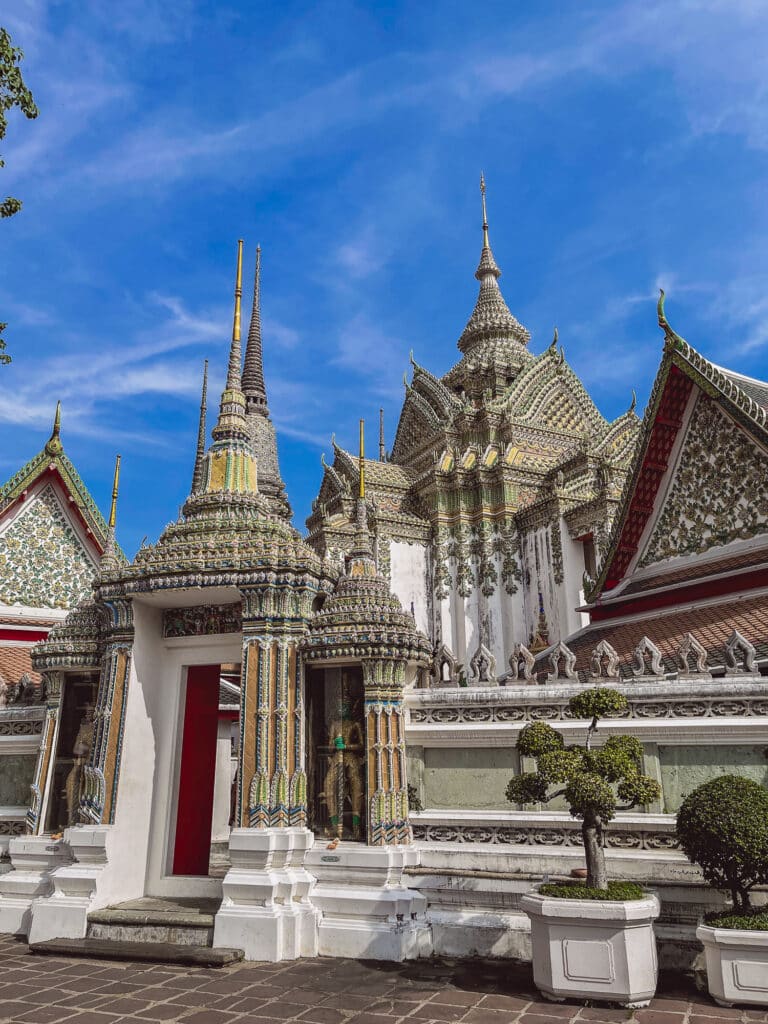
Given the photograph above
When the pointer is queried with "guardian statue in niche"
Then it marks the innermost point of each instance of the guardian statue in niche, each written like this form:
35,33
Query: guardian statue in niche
344,777
80,753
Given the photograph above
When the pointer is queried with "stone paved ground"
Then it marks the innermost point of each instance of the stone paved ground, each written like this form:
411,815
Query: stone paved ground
46,990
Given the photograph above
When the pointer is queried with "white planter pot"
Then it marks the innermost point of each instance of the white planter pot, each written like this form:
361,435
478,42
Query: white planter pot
593,949
737,965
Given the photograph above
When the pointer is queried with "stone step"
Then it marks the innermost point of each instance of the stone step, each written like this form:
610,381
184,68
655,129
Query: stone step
155,952
186,922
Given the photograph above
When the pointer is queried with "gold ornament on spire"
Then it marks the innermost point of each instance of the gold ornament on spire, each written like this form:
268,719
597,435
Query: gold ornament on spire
115,489
362,458
53,444
486,243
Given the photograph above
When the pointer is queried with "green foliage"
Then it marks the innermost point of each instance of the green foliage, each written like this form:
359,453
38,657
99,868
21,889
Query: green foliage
723,827
13,93
538,738
587,775
597,703
757,921
616,891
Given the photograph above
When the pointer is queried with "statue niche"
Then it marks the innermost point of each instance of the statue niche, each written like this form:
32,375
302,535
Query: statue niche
337,752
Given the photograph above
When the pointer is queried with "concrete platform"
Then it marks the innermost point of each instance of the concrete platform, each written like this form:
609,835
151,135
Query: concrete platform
187,922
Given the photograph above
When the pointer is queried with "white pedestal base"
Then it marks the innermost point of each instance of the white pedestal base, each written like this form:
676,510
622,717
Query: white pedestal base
64,914
266,909
33,859
737,965
585,949
367,911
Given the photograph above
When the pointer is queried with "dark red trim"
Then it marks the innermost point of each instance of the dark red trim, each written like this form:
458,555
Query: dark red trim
666,425
229,716
194,813
680,595
29,635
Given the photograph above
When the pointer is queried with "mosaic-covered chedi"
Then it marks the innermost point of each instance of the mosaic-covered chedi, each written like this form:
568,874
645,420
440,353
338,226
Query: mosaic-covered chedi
311,739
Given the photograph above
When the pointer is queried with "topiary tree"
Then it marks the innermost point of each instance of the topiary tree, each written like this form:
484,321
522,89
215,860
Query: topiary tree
723,827
587,776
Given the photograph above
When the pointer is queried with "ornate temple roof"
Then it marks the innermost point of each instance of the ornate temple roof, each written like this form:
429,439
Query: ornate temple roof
362,618
709,408
491,320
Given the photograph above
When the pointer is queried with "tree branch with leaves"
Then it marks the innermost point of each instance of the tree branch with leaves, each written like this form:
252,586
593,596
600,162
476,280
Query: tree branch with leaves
13,93
595,782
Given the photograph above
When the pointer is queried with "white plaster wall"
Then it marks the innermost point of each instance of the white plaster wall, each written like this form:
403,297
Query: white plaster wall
409,569
572,588
167,707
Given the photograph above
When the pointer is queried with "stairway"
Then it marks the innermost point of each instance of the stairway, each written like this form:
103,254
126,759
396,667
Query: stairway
160,930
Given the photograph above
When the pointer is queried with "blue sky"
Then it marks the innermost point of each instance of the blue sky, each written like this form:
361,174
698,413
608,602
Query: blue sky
625,145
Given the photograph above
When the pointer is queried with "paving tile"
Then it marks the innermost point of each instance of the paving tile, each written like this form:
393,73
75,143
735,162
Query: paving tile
323,1015
541,1018
12,1008
504,1002
209,1017
604,1013
371,1018
283,1010
456,997
654,1016
489,1016
43,1015
544,1008
161,1011
93,1017
437,1011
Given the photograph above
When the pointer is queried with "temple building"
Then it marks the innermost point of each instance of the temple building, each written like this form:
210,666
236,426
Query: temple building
497,496
273,747
52,537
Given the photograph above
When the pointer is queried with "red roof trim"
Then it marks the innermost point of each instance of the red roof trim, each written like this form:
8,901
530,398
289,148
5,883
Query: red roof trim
27,635
666,426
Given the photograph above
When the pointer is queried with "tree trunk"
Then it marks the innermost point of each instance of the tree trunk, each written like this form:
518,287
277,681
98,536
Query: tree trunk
591,832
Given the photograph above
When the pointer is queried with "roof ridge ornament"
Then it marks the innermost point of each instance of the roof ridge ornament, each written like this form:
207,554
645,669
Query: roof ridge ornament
671,337
109,556
53,445
254,387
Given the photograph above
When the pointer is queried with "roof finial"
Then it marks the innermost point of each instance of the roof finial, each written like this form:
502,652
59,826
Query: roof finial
253,369
115,488
53,445
197,475
109,557
231,423
362,459
382,445
669,334
235,360
486,243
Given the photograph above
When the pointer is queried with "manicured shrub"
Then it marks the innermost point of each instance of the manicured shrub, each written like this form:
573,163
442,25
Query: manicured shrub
723,827
585,775
579,891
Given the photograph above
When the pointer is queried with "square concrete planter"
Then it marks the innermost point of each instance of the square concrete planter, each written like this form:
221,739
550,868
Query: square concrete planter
737,965
593,949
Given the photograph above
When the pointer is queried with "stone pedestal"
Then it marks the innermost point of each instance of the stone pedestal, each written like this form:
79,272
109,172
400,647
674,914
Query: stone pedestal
64,914
266,909
33,859
367,911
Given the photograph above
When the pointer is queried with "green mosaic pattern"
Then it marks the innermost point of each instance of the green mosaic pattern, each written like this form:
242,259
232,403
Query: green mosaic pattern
42,562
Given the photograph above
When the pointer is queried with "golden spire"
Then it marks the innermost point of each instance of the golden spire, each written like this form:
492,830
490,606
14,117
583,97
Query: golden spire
486,243
235,358
382,443
53,444
362,458
115,488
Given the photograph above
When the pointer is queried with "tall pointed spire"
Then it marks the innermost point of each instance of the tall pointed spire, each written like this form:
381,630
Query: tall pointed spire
197,475
491,319
361,556
109,557
382,443
260,427
361,461
231,422
253,370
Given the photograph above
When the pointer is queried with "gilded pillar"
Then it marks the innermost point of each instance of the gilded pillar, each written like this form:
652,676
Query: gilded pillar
387,781
52,687
98,803
272,782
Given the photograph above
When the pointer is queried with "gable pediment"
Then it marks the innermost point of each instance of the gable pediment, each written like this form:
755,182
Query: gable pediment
718,492
44,562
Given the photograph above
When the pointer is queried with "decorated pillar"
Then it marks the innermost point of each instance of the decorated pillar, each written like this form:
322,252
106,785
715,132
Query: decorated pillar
52,687
98,803
387,782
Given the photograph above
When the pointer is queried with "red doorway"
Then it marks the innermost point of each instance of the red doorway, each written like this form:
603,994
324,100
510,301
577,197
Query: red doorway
192,848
